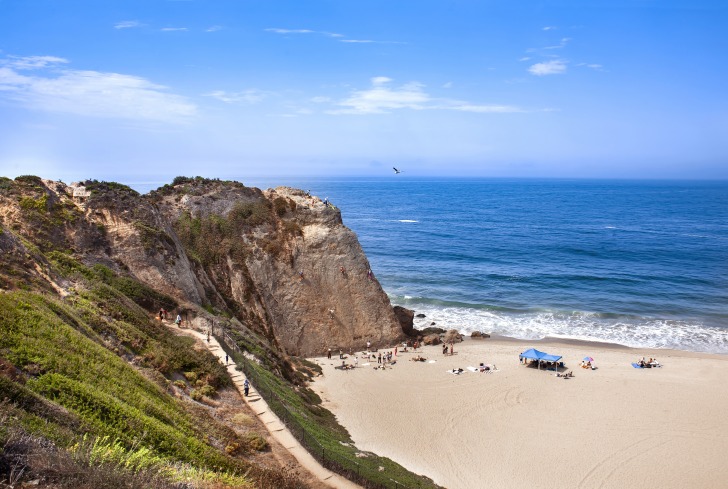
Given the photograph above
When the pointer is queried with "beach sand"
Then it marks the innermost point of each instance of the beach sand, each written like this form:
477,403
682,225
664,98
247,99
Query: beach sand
613,427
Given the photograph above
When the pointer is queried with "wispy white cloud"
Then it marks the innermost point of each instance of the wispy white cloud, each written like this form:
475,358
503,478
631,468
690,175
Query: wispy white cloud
561,45
290,31
554,67
593,66
549,28
447,85
128,24
382,98
53,88
251,96
31,62
214,28
525,58
174,29
339,37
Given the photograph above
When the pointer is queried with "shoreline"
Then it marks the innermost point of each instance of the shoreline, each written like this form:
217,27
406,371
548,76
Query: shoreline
615,426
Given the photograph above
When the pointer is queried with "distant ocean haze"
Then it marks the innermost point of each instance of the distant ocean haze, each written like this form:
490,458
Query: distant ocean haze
639,263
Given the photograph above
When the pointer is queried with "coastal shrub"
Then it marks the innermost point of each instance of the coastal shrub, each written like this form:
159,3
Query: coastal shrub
254,441
242,419
29,180
94,384
292,228
250,214
280,204
38,205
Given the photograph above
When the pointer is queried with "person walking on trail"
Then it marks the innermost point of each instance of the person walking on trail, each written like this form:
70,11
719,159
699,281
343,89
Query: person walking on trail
246,387
208,335
329,354
226,359
178,321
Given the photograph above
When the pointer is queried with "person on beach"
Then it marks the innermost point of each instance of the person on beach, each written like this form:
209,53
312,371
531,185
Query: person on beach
341,354
356,362
246,387
452,348
444,349
329,354
379,358
369,345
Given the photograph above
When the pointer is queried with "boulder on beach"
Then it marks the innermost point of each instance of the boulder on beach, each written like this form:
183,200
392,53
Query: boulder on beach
452,336
479,334
431,330
431,339
420,315
406,320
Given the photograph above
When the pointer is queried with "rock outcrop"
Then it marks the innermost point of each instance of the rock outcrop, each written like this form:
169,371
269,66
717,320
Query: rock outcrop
280,261
406,320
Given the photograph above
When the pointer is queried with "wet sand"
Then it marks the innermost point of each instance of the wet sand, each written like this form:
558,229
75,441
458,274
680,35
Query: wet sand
612,427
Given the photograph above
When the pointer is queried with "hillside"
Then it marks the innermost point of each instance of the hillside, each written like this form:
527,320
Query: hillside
94,391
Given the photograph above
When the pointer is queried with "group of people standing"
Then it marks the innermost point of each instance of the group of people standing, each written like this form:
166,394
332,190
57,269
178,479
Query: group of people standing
163,316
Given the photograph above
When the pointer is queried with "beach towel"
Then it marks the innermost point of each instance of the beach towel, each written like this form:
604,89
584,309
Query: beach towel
365,364
432,361
636,365
472,369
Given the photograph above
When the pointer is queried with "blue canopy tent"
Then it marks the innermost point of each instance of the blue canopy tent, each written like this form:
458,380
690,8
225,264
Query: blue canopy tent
539,356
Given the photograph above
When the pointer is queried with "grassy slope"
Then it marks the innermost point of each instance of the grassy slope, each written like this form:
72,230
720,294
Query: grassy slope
65,373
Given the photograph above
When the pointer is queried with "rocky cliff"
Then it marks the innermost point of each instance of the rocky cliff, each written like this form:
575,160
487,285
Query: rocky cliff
278,261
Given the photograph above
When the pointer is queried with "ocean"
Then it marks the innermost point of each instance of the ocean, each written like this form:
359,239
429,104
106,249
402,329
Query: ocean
638,263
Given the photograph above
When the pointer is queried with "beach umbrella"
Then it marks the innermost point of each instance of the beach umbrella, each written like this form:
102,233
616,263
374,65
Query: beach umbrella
588,359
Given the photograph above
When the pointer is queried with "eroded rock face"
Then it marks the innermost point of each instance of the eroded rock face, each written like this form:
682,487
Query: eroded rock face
406,320
279,260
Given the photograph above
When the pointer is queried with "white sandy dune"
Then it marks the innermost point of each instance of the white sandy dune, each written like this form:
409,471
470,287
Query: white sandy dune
614,427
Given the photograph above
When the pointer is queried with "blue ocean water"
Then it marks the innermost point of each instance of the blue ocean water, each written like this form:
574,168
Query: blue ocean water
639,263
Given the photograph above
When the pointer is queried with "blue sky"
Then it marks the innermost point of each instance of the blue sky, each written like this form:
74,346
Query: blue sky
144,90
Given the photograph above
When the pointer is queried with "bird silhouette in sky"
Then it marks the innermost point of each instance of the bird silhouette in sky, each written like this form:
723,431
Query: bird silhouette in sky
397,172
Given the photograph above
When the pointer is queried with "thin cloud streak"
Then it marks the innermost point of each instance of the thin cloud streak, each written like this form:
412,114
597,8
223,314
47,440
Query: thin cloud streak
382,99
89,93
127,24
252,96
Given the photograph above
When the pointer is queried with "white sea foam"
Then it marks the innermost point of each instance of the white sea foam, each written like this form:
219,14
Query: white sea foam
406,220
638,333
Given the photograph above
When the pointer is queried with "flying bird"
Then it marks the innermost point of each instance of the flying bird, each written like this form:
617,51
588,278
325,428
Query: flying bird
396,172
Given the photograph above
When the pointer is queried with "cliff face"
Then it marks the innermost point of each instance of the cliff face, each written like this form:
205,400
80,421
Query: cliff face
280,261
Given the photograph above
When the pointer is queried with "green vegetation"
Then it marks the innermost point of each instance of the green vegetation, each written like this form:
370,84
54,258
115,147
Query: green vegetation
64,364
211,239
317,429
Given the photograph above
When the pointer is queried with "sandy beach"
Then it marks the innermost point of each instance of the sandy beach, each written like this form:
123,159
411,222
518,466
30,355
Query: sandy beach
613,427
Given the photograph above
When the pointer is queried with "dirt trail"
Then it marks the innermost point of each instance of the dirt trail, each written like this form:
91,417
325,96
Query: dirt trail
274,425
